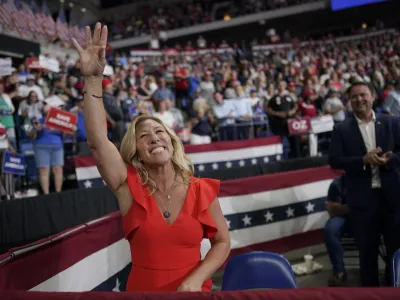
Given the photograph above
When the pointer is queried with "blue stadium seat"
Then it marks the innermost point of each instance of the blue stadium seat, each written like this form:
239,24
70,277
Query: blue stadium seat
396,269
258,270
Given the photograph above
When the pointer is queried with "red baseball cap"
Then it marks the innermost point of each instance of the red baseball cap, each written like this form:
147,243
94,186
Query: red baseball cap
106,82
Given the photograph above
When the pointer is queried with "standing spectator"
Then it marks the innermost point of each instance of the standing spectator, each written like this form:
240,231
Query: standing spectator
392,101
163,93
6,116
225,113
49,151
7,188
366,146
113,112
281,107
334,106
31,108
164,115
207,88
201,123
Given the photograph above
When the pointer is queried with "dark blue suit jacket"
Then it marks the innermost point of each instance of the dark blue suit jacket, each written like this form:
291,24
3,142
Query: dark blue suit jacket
346,153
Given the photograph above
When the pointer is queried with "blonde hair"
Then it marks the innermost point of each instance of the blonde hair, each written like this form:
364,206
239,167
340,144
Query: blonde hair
182,165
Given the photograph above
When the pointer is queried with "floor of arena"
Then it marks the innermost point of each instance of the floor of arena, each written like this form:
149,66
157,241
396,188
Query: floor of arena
319,279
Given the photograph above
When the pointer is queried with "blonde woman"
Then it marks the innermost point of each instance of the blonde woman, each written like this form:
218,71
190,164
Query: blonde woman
166,211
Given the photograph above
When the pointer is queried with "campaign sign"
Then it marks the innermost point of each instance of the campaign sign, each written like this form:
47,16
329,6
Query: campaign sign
322,124
299,125
61,120
14,164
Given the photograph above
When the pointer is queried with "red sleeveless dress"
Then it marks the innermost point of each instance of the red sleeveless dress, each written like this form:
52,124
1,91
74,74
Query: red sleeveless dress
164,255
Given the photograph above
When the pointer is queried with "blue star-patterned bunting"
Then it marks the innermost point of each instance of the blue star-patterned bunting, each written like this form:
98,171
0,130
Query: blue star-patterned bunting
274,214
223,165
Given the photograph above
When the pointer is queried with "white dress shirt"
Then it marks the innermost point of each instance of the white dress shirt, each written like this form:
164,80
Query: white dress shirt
368,134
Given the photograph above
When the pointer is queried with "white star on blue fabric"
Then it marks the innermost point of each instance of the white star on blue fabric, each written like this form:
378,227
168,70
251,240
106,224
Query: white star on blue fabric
87,184
247,220
290,212
269,217
310,207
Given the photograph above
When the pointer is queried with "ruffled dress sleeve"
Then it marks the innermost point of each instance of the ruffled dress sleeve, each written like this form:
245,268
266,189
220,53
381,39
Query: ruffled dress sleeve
208,190
137,213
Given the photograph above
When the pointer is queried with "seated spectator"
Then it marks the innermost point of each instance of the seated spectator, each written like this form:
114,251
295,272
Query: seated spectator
164,115
7,188
201,123
338,223
49,151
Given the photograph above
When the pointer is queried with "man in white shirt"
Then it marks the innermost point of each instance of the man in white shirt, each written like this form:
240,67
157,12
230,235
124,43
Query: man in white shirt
367,148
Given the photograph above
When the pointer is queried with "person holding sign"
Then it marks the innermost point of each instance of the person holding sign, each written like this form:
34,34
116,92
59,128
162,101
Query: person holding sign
166,211
49,152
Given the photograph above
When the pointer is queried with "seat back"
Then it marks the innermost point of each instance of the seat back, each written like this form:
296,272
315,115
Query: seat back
396,269
258,270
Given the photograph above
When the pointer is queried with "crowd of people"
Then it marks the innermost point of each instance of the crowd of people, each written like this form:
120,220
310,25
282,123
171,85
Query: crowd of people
176,15
204,98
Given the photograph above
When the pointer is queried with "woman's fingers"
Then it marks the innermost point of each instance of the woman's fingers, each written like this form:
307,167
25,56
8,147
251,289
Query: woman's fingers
77,46
103,36
96,34
103,42
88,37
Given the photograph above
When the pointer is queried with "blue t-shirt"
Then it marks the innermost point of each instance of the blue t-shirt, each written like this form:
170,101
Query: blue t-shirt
81,129
48,137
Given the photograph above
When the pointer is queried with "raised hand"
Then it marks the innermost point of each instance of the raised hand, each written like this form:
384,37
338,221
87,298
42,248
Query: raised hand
93,57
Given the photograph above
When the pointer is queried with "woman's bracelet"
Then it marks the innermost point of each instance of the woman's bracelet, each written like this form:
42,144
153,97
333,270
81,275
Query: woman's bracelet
94,96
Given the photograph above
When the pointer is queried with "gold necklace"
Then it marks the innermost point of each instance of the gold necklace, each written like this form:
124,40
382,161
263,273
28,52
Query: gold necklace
166,212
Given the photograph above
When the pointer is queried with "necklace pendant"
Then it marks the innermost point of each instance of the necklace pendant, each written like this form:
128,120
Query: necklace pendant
169,197
166,214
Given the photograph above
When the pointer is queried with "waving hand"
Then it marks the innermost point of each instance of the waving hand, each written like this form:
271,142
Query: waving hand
93,56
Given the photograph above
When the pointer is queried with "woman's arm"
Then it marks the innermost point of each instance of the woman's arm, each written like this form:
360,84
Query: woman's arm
92,59
220,248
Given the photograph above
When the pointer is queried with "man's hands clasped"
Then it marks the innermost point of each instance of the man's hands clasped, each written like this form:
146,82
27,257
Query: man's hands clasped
376,157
